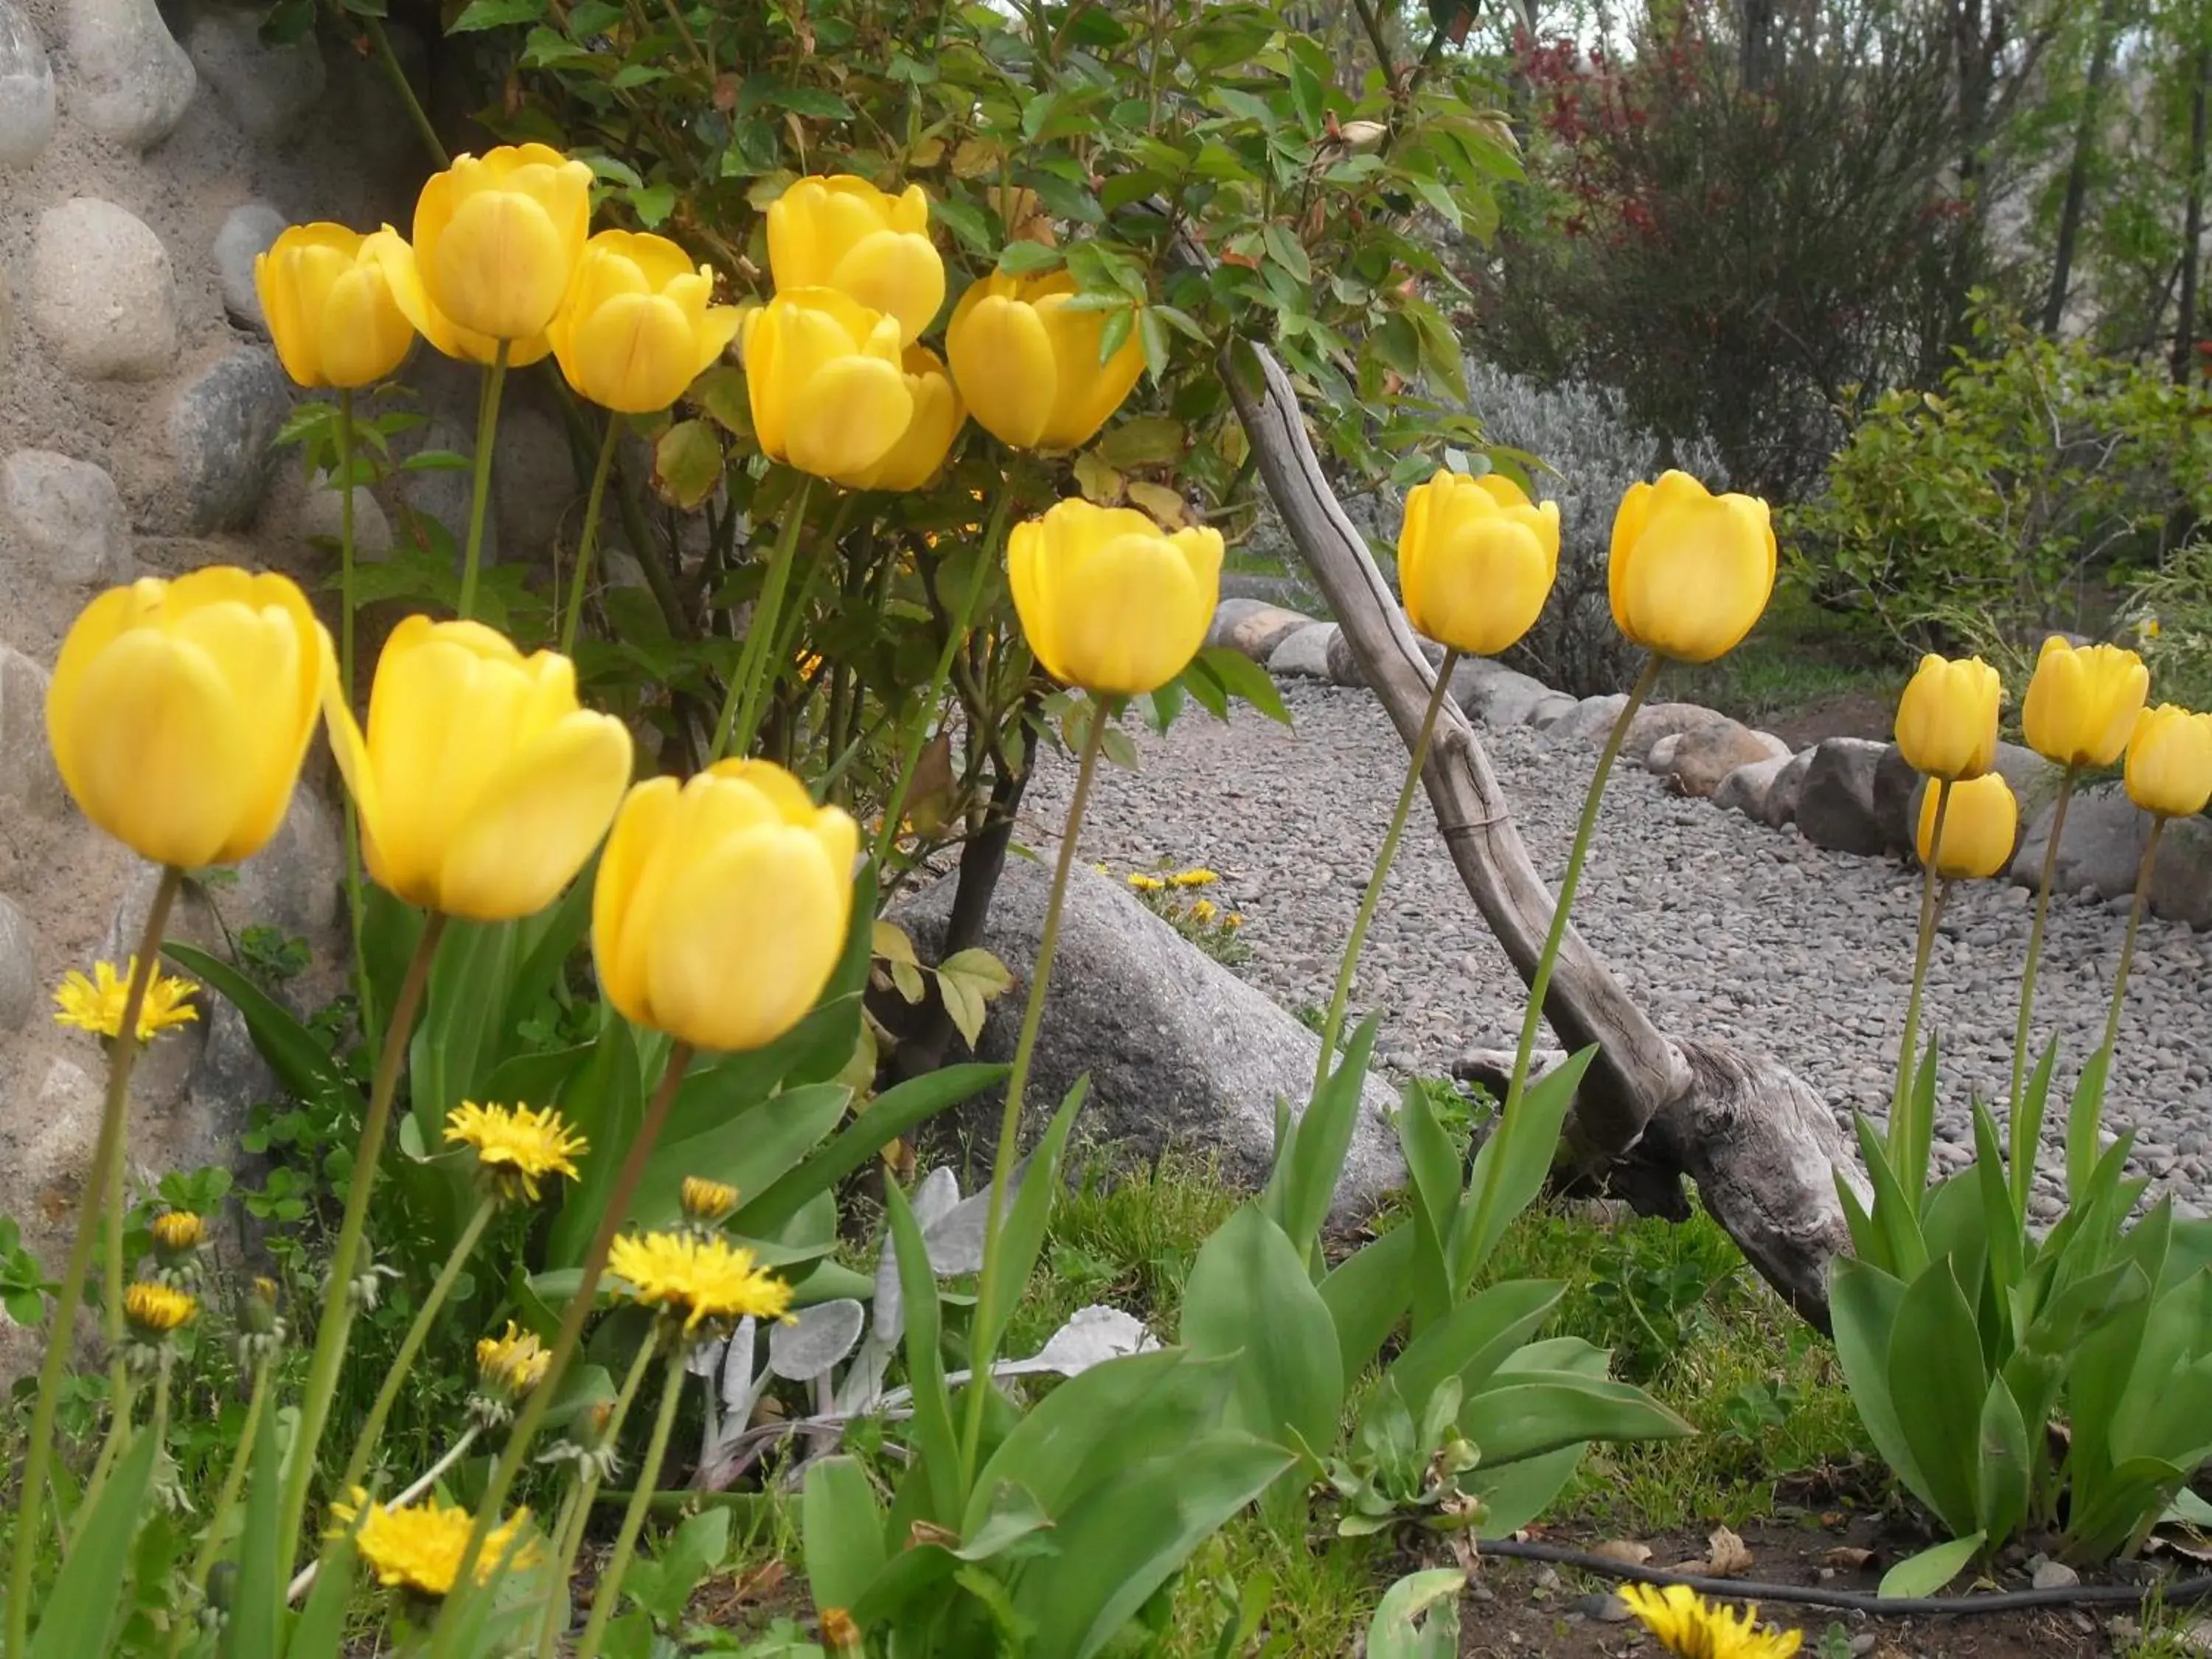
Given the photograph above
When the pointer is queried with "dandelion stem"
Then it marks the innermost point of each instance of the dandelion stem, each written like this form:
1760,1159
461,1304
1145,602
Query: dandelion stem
396,1378
588,540
480,496
608,1591
2143,872
1908,1137
568,1536
740,718
1472,1239
444,1632
1332,1027
336,1323
61,1336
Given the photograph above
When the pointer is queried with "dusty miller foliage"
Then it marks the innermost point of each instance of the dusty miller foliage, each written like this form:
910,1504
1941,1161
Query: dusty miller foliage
1584,451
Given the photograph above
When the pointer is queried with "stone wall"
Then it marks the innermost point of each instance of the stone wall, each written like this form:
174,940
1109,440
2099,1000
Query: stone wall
146,156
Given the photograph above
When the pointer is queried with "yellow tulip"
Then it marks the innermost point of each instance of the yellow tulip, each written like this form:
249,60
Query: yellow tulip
639,328
1110,601
498,241
1476,560
180,711
843,233
722,905
330,312
1981,825
2083,703
1029,365
1946,720
938,416
828,382
1690,571
482,787
2170,762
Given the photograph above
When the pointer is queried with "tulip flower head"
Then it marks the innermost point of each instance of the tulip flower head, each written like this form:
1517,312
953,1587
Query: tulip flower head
843,233
1030,365
497,239
828,381
1476,560
482,785
331,313
2169,769
639,328
180,711
722,905
2083,703
1946,720
938,416
1690,571
1111,602
1981,827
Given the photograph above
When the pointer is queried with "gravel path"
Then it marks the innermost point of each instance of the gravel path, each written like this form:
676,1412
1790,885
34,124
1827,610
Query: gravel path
1719,925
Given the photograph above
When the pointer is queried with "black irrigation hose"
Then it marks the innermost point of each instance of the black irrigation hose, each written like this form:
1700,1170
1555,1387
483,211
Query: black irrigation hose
1744,1590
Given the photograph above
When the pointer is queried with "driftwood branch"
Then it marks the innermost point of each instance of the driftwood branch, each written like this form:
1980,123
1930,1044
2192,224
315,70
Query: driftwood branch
1763,1149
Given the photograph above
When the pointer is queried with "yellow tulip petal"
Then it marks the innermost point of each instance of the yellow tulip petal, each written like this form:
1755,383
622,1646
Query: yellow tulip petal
846,417
898,274
1003,362
500,268
634,354
536,820
110,614
1031,578
1130,617
1501,490
640,829
173,760
781,790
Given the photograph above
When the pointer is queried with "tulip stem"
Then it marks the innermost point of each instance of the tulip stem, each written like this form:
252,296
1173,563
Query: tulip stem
1010,1118
357,903
390,59
336,1323
1332,1027
963,619
2143,872
61,1337
608,1591
740,719
411,1344
446,1631
568,1535
480,496
2023,1157
588,542
1906,1133
1478,1220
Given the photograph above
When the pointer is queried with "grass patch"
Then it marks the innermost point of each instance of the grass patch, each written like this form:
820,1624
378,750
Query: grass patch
1798,655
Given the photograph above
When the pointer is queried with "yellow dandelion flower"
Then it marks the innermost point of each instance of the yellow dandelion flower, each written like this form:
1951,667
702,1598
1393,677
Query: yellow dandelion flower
418,1546
1146,883
707,1280
707,1202
516,1145
1233,920
1685,1624
179,1231
157,1310
96,1005
1198,877
1204,910
515,1362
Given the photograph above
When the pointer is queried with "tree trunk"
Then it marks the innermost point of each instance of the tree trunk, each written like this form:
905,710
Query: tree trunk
1765,1151
2192,234
2086,135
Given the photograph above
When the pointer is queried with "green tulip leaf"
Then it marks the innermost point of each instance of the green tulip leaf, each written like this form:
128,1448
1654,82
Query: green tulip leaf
1304,1180
1021,1235
1929,1570
2083,1116
749,1153
2001,1485
83,1602
1528,1413
2028,1127
1248,1294
935,1441
842,1527
1937,1384
302,1064
1366,1292
1474,1340
1523,1147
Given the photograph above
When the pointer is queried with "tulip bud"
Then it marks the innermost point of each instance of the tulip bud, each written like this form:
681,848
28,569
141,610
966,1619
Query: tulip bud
2170,762
1476,560
1029,366
1110,601
843,233
497,241
722,906
1690,571
180,711
1981,827
639,328
331,313
938,416
482,786
828,382
1946,720
2083,703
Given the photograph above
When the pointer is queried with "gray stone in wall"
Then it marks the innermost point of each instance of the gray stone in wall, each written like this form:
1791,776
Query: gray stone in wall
26,88
444,495
66,516
1836,804
322,515
533,482
19,967
1485,689
219,431
130,80
268,90
247,232
102,292
28,782
1304,652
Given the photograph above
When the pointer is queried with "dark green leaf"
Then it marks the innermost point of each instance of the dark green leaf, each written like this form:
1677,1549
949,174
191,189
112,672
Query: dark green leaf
1249,1294
842,1526
1474,1340
495,14
1527,1413
83,1602
1522,1149
302,1065
1937,1384
1303,1183
1366,1294
1929,1570
1248,680
250,1632
935,1441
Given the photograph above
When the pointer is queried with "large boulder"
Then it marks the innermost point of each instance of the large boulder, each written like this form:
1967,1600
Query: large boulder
2101,853
1780,805
1303,653
1749,787
1180,1051
1655,722
1704,754
1253,627
1486,690
1836,806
